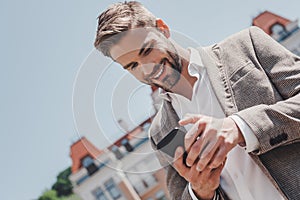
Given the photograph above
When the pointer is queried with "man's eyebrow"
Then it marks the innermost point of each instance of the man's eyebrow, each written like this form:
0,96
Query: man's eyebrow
143,48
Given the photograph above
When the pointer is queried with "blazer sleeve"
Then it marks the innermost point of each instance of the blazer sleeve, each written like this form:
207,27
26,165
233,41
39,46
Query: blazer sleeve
276,124
177,185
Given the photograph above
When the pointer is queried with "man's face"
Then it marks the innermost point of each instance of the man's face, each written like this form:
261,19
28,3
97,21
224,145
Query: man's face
149,56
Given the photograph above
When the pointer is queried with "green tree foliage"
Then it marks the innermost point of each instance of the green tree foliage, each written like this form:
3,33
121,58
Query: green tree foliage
61,189
49,195
63,185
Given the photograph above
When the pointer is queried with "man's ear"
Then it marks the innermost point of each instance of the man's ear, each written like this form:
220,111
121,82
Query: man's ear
163,27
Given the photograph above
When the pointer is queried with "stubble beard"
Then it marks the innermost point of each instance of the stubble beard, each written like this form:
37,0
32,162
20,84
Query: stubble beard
172,79
175,65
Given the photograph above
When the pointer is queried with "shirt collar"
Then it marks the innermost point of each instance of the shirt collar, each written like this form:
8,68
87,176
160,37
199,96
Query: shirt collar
194,69
195,64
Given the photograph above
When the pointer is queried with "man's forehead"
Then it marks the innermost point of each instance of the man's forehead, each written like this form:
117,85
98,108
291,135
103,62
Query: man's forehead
132,40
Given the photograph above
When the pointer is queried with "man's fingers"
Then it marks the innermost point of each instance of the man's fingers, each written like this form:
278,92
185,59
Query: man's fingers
204,176
217,171
178,153
189,119
193,175
193,153
189,174
206,154
178,162
192,135
218,158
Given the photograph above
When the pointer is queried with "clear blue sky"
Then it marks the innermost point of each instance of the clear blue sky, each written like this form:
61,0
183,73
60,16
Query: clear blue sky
43,44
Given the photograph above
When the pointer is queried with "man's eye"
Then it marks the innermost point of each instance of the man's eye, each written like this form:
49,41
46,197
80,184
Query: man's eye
133,66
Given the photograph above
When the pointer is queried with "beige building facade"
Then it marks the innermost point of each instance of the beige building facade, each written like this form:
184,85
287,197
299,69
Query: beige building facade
126,170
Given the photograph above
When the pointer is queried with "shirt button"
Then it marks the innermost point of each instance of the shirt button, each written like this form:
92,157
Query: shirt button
235,175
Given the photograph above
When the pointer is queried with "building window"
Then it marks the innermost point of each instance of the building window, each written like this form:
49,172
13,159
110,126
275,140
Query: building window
89,164
87,161
142,182
127,145
99,194
279,30
112,189
117,152
149,179
160,195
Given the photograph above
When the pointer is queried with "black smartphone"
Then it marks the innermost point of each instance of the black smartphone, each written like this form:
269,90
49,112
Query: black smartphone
171,141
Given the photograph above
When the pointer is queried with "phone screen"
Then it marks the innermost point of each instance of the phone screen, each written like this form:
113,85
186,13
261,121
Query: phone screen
169,143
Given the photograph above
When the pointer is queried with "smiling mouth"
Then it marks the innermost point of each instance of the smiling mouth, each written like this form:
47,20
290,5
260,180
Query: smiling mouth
159,73
159,70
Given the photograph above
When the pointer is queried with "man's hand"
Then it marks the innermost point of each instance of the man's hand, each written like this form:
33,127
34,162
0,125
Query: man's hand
209,140
203,183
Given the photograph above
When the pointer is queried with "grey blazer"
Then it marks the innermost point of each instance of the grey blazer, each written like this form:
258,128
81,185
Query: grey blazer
256,78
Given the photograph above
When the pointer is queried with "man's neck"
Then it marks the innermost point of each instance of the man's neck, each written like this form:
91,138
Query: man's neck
186,82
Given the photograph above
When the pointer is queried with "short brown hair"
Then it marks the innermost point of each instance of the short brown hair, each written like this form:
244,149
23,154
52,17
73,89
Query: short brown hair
117,19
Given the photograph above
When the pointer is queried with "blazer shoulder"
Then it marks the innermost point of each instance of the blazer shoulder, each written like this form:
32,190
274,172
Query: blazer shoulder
237,38
237,45
256,30
250,34
247,32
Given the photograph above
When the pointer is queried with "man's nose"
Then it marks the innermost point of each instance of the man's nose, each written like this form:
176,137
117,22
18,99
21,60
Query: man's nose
147,68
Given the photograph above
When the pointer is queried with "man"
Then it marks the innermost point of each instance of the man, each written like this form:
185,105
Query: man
239,98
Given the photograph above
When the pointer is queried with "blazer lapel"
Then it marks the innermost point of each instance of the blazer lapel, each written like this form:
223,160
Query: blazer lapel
218,78
167,122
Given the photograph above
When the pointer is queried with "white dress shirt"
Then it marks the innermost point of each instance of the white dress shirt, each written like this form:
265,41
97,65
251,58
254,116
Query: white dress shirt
241,177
